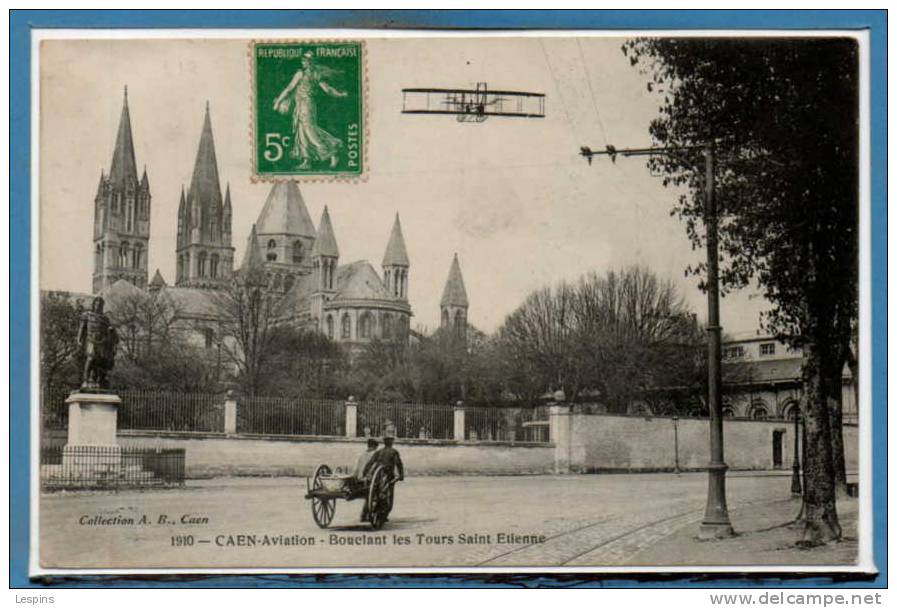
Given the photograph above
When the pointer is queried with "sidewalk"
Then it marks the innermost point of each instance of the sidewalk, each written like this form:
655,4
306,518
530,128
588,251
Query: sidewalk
763,537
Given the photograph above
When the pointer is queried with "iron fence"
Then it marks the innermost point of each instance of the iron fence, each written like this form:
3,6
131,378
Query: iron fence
405,420
506,424
144,410
110,467
149,410
284,416
54,410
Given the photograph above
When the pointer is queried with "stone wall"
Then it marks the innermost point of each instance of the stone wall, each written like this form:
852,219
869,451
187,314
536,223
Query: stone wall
213,454
601,442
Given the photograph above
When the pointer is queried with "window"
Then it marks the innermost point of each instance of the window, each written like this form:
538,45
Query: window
364,326
330,327
387,326
459,323
135,256
734,352
759,411
213,265
123,255
209,335
298,254
202,264
767,349
445,318
790,411
272,254
346,329
288,282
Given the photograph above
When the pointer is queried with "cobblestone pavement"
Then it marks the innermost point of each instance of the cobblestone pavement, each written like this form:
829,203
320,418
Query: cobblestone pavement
576,520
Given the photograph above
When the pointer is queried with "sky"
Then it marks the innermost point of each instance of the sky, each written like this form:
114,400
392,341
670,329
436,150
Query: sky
510,196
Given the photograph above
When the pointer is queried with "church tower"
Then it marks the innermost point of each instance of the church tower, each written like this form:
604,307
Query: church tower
286,236
324,261
205,257
453,305
395,263
121,220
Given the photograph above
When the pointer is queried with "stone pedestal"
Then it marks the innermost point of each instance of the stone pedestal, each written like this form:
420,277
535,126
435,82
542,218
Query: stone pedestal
93,422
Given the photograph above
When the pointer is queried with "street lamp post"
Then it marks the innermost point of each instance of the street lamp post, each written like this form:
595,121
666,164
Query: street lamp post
796,489
716,523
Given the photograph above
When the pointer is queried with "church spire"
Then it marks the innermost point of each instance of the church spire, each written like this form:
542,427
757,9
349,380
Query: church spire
325,243
454,293
396,254
253,266
124,166
205,185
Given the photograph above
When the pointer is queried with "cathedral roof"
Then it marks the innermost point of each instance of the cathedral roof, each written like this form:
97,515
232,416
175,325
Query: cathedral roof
193,302
325,243
285,212
454,293
359,281
124,167
396,254
297,300
119,292
205,187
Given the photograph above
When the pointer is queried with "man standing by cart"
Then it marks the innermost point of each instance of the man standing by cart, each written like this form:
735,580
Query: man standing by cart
388,457
389,460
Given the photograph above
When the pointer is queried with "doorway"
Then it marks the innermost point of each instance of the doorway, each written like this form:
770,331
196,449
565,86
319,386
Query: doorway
777,443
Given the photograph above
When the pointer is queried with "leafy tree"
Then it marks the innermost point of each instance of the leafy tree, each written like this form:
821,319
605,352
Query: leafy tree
60,317
781,115
302,363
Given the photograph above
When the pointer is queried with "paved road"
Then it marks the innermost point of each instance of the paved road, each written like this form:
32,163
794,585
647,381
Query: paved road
572,520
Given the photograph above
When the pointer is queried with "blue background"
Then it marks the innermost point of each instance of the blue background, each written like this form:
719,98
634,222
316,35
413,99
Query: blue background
21,23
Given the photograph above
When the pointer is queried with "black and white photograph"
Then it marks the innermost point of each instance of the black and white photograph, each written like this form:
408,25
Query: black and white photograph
598,302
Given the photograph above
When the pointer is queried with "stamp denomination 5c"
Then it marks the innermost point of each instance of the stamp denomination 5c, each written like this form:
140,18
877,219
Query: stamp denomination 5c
308,112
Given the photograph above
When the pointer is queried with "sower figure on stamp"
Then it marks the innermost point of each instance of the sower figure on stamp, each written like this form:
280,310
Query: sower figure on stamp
97,340
310,141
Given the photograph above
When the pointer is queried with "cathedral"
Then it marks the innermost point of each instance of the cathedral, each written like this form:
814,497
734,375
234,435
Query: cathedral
350,303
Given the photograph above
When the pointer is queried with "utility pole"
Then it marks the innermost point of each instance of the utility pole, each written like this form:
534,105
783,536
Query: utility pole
716,523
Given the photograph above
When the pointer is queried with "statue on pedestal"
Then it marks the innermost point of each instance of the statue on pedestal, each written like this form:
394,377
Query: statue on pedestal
98,340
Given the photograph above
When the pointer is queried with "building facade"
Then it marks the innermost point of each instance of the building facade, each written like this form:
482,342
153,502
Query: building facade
351,303
762,379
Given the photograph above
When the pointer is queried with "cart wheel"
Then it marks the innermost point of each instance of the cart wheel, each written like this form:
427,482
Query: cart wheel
378,500
322,509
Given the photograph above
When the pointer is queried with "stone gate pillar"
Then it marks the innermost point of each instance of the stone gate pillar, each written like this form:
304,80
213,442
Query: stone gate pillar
559,433
351,417
458,431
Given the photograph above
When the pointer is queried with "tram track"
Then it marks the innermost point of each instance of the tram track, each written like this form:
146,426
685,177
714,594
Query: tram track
692,514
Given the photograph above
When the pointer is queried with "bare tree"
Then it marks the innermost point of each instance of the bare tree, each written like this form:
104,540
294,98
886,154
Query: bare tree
246,317
626,335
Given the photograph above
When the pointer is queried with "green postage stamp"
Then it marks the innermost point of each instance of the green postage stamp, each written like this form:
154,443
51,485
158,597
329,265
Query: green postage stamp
308,110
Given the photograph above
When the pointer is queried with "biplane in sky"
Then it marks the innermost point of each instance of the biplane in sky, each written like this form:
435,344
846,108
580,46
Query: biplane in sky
473,105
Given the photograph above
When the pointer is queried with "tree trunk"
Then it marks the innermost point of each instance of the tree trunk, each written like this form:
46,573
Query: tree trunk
820,515
835,408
